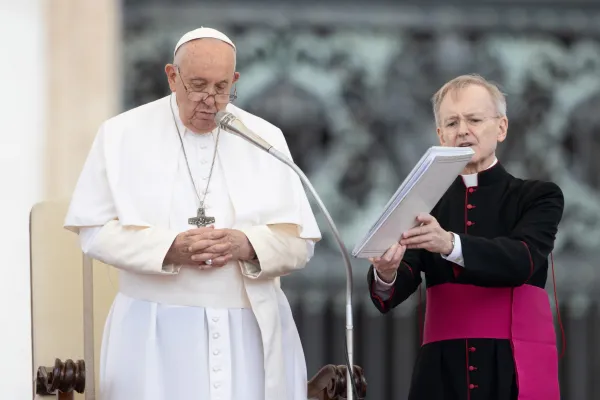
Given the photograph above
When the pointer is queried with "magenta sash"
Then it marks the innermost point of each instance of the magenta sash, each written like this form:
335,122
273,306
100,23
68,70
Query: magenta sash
521,315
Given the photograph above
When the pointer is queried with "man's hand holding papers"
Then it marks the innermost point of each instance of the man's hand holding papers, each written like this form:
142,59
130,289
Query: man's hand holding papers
417,196
429,236
389,262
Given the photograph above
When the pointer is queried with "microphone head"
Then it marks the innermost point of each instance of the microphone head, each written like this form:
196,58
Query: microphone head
222,116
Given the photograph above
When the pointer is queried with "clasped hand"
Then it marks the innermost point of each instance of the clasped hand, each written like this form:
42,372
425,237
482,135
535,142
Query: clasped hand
429,236
196,246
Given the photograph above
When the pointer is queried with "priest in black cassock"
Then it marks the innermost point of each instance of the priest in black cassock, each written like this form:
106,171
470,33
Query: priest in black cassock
483,250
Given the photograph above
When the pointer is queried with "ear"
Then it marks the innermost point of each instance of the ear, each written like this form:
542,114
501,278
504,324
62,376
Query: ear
171,73
502,129
440,136
236,76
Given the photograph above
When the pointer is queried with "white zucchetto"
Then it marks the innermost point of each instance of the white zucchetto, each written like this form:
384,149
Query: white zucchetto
203,33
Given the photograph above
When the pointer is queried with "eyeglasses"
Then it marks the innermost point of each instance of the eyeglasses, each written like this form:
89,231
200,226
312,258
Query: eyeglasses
197,97
453,124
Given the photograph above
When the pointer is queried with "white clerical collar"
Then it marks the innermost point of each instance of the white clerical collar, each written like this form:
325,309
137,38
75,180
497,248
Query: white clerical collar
470,180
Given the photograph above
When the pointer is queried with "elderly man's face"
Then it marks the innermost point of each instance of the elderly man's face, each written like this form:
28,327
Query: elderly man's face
202,78
468,117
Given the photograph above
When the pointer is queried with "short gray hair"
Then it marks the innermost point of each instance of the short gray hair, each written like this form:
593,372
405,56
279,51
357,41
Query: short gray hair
462,82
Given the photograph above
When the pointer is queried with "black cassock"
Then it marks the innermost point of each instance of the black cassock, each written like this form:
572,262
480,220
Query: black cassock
507,228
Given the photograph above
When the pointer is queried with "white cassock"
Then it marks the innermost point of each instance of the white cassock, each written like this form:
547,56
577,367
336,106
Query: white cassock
178,332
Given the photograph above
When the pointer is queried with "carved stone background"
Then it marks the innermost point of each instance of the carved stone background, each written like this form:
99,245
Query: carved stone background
353,101
350,85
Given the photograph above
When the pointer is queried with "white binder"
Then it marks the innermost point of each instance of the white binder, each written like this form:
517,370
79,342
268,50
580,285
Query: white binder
419,193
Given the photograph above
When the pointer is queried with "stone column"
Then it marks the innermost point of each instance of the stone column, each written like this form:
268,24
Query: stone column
82,88
83,84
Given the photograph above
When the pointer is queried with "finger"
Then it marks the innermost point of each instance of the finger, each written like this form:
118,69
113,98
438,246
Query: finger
375,261
211,234
389,254
197,244
217,234
425,218
219,248
199,231
398,254
419,246
417,231
208,235
204,266
222,260
426,245
416,240
200,246
202,257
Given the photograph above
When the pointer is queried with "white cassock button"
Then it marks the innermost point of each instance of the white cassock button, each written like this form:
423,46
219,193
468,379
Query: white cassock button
203,162
215,319
205,178
216,336
216,369
216,352
216,385
203,146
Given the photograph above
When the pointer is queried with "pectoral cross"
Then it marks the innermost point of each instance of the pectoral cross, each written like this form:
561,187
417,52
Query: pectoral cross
201,219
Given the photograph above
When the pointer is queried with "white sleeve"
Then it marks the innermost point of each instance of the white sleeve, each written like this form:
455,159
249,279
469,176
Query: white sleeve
135,250
279,251
456,255
382,289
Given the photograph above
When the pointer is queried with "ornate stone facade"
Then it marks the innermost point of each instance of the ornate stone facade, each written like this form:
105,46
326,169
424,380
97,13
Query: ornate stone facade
352,93
349,83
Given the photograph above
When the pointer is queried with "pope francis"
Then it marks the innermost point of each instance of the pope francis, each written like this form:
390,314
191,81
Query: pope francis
201,225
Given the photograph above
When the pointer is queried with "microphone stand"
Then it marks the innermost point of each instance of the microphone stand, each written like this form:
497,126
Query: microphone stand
258,142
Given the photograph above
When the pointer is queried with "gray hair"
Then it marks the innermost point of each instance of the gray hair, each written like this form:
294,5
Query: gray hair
462,82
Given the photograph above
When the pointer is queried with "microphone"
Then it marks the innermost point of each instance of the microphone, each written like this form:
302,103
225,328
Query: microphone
230,123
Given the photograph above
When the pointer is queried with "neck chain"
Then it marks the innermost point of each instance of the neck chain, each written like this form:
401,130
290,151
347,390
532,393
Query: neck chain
200,220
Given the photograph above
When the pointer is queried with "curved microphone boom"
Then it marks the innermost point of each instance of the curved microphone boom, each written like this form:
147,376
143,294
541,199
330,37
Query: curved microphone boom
230,123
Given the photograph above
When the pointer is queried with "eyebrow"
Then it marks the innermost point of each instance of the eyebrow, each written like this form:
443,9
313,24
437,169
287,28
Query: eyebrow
198,80
470,114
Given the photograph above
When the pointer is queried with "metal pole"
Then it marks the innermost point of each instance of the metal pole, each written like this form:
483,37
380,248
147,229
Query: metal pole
349,320
88,328
224,123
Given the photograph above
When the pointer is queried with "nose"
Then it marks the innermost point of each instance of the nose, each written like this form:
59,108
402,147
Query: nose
210,100
463,127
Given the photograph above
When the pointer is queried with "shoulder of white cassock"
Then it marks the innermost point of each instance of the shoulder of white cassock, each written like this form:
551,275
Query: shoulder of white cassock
156,116
125,154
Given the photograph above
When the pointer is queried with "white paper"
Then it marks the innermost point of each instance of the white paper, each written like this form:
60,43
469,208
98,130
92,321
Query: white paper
418,193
